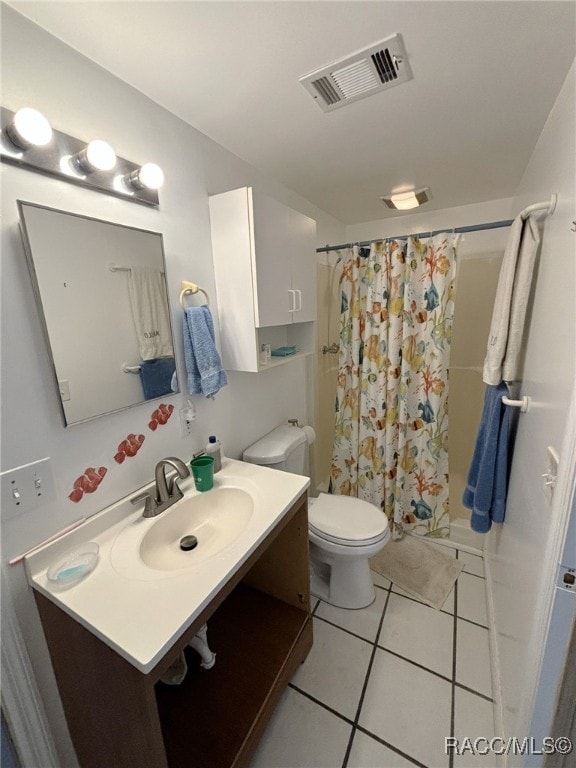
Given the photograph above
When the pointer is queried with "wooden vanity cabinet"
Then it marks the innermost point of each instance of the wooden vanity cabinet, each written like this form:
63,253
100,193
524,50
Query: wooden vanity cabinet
260,628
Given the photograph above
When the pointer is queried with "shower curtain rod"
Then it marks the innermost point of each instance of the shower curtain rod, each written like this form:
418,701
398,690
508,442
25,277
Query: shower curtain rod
548,206
455,230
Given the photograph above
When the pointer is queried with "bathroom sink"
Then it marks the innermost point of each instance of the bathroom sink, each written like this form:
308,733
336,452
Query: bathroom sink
216,519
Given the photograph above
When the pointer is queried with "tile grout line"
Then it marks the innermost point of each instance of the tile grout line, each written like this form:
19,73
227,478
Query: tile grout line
366,678
473,692
405,658
389,746
447,613
415,664
477,576
360,728
321,704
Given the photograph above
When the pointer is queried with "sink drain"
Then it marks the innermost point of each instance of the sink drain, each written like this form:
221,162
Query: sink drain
188,542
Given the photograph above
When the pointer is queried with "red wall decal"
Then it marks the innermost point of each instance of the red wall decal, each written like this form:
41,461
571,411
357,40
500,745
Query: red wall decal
129,447
160,416
87,483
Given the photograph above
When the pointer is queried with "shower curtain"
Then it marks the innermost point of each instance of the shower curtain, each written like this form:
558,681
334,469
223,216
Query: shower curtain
391,432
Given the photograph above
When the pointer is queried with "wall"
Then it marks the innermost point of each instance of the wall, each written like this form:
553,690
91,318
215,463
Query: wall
519,556
88,102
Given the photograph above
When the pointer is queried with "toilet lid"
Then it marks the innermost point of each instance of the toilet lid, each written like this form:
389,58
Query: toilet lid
346,519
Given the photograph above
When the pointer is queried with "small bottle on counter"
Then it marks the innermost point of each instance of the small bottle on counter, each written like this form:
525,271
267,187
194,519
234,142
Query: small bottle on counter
213,448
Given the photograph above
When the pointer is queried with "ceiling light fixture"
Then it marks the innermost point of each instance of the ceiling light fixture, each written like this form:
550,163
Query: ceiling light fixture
149,176
404,201
29,128
97,156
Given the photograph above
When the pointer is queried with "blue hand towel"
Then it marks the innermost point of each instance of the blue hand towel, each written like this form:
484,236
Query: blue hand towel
203,365
487,484
156,377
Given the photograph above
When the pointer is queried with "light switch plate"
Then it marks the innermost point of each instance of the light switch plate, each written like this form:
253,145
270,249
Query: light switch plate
27,487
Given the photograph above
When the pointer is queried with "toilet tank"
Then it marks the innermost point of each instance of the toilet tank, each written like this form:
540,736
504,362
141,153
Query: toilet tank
284,448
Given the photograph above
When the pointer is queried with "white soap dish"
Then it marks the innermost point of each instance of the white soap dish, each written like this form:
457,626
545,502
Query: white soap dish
75,565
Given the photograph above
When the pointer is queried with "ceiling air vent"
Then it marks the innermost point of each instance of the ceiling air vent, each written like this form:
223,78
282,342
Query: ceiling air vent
366,72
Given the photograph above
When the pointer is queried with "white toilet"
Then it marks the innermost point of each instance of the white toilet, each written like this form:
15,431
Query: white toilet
344,532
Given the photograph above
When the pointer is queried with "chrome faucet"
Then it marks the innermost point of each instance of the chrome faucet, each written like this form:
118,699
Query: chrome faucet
167,490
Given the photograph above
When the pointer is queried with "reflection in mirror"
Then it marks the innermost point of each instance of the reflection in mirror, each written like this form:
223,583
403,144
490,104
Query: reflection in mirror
101,291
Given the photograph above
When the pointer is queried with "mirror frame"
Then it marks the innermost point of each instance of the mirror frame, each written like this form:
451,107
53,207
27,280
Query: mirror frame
40,305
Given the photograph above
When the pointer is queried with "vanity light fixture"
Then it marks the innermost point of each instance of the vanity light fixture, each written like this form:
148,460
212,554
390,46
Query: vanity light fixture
405,200
29,128
28,141
97,156
149,176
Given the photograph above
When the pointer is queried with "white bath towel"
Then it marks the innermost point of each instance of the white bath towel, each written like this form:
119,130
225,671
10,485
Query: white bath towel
511,302
147,291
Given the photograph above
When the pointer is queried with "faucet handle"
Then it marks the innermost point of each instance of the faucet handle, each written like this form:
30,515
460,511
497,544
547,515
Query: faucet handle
174,490
149,505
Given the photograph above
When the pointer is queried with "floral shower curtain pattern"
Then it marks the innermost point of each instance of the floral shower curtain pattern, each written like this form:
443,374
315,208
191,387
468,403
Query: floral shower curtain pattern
391,433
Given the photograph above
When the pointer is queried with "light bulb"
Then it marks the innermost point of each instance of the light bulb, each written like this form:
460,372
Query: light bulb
151,176
405,201
97,156
100,155
29,129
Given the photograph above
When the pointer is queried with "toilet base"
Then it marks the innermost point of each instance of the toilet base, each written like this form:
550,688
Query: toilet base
342,584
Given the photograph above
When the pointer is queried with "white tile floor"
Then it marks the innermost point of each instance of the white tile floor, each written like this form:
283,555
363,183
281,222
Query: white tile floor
384,685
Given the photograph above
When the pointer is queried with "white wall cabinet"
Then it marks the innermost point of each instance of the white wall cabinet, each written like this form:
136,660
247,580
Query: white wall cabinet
265,270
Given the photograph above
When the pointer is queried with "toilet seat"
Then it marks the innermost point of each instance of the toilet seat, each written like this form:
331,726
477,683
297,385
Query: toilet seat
346,520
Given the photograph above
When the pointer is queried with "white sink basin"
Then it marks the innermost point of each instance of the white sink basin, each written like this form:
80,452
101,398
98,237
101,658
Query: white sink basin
216,518
124,594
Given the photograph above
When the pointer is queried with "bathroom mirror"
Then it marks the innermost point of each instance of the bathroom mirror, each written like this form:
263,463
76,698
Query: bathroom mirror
101,293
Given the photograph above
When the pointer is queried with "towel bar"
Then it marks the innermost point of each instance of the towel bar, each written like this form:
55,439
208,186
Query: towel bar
523,404
189,289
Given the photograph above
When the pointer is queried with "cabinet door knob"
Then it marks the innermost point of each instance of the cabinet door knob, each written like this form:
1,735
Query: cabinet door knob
292,307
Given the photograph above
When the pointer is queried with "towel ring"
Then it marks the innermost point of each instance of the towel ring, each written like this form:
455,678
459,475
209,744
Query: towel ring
188,289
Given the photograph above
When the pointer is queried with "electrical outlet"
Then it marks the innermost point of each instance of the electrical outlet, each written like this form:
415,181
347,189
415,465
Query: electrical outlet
187,417
27,487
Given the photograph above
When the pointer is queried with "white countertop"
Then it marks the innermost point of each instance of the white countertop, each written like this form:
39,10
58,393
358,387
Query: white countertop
140,611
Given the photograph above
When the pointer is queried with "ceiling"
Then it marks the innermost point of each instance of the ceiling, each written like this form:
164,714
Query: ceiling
485,76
